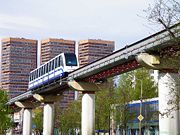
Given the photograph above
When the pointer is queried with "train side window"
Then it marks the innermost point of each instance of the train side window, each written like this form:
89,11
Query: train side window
53,64
29,77
57,61
49,66
56,64
46,67
42,71
39,72
61,61
32,75
35,74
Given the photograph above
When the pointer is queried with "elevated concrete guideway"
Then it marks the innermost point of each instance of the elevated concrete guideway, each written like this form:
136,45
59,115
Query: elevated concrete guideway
124,59
118,62
158,47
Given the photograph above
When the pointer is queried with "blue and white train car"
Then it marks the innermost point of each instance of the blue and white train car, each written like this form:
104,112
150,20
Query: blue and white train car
54,69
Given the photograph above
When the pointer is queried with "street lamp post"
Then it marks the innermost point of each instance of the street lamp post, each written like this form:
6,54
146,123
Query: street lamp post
140,109
140,117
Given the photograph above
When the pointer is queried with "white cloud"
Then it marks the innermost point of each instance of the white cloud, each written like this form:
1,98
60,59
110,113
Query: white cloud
18,22
77,19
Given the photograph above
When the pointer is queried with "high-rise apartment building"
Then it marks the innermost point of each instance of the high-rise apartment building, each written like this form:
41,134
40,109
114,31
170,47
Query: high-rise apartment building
18,58
91,50
50,48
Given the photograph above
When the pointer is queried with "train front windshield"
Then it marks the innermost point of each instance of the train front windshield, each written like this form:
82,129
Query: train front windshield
70,59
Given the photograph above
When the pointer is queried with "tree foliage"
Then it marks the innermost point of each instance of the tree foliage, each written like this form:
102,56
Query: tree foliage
108,96
104,100
5,120
38,119
149,87
129,89
164,12
130,84
173,96
70,119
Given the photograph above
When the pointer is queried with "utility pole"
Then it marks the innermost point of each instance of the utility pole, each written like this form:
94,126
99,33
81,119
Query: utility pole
140,110
140,117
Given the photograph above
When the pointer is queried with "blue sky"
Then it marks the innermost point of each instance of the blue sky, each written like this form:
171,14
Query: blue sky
116,20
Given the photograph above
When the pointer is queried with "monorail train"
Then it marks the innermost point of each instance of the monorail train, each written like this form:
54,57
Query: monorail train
54,69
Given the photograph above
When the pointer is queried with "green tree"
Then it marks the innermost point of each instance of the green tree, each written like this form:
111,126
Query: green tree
38,119
70,119
149,87
124,96
5,120
104,98
129,89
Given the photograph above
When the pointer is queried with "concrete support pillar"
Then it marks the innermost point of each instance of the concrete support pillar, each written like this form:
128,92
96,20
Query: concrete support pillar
88,105
27,121
27,116
48,119
168,122
49,110
88,113
167,85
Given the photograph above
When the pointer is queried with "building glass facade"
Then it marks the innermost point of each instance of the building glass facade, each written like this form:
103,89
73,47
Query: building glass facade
18,58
